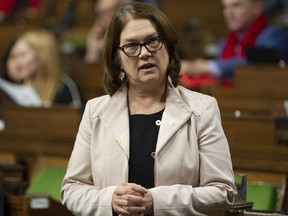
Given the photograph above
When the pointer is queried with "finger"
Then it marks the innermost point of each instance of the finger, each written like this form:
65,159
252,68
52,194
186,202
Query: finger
120,206
121,211
132,189
137,214
134,209
134,200
136,188
129,200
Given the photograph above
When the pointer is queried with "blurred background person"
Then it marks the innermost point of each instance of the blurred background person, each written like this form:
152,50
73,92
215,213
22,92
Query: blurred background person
14,74
33,60
30,7
248,27
104,12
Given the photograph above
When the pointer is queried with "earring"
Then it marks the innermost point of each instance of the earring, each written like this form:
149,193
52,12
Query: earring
122,75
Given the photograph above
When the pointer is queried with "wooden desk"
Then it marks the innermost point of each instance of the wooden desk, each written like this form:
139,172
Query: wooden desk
248,115
32,132
268,80
259,90
253,145
231,100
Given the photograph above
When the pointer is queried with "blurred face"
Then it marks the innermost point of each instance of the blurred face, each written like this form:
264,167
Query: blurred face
239,14
148,67
22,62
106,8
106,5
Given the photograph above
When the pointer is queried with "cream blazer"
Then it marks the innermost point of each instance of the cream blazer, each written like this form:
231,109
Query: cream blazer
193,170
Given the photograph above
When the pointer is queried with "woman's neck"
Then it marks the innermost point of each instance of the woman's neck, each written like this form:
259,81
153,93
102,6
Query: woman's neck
146,102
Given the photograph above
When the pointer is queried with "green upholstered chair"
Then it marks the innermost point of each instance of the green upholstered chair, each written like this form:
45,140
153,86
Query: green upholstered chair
266,190
43,193
264,195
47,176
47,181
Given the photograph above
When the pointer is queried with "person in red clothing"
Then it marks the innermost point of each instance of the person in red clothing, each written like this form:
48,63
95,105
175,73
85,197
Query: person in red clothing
9,6
248,27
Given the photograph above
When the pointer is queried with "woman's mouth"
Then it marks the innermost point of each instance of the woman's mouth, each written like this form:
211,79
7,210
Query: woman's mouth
147,66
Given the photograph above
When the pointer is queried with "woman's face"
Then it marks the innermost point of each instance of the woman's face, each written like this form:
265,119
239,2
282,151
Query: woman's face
22,62
148,67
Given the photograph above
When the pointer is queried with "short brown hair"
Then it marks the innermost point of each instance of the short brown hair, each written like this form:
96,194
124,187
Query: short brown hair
124,14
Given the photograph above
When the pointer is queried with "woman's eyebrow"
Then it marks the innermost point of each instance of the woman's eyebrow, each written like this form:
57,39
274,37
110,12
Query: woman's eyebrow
133,40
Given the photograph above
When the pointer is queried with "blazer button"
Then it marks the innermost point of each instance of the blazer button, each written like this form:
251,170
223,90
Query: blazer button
158,122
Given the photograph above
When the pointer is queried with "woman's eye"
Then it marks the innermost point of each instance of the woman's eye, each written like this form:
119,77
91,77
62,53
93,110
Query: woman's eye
152,42
131,46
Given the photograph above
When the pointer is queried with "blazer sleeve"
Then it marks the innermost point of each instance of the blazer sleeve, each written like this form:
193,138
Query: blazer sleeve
78,192
216,190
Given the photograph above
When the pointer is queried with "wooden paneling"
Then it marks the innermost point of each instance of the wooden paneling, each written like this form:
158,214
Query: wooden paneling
259,90
253,145
249,112
266,80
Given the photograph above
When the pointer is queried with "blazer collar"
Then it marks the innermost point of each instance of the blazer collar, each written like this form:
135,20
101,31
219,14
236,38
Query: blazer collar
115,116
176,113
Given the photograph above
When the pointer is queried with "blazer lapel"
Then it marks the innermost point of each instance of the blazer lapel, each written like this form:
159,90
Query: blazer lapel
176,113
115,117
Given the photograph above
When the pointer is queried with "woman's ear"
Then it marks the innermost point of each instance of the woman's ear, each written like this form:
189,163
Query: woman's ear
122,75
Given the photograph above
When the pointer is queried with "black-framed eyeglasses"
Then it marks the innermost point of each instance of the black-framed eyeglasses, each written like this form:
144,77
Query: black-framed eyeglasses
134,49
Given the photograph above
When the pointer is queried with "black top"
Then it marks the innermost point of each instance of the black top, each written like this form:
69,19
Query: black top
63,95
143,138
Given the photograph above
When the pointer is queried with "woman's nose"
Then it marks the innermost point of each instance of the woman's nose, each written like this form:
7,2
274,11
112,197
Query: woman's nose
144,52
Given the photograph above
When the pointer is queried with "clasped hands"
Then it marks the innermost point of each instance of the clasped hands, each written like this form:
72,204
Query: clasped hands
132,199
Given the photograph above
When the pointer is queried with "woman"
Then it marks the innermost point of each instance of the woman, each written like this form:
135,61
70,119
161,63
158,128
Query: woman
33,60
149,147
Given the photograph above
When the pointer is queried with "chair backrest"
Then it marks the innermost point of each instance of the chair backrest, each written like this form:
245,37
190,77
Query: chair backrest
12,174
266,190
263,194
